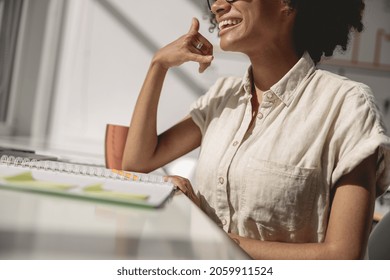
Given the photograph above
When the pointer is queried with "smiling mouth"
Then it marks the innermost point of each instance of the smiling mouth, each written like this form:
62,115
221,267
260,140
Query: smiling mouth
228,23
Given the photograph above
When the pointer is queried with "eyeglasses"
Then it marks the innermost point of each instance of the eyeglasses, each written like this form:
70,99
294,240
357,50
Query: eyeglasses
211,2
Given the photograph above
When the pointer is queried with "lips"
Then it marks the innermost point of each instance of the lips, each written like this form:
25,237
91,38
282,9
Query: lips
228,23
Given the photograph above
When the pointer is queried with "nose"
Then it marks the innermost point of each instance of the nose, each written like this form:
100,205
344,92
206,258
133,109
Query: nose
220,6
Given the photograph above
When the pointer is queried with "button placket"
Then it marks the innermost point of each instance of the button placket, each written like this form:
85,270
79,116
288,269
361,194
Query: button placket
222,210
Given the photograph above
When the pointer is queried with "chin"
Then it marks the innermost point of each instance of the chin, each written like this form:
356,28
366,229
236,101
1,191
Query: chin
228,46
232,42
223,47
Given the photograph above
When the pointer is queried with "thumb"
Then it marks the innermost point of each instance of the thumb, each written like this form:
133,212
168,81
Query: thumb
194,26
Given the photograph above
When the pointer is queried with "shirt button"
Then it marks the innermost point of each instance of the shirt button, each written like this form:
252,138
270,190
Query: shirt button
221,180
260,116
235,143
224,222
269,95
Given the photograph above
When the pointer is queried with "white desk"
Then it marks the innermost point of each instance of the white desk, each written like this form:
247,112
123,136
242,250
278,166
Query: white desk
39,226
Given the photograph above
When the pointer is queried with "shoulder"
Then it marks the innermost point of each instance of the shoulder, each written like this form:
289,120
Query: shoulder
342,83
338,88
344,98
222,90
225,85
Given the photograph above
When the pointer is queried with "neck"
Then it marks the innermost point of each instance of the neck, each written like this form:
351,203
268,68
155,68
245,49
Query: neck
269,67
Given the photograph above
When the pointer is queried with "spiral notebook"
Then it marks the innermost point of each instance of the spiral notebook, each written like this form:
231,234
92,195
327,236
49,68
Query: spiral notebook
83,182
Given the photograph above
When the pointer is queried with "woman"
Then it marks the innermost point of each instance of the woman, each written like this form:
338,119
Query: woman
292,157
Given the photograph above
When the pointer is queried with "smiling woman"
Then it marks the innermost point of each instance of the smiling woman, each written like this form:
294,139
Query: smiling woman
291,156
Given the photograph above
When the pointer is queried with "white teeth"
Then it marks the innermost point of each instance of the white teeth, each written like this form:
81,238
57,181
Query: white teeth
225,23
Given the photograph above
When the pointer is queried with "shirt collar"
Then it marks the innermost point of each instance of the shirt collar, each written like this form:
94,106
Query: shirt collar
246,84
285,88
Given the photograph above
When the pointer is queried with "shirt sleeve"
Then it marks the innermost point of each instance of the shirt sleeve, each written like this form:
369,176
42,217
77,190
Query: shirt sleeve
198,111
358,132
204,109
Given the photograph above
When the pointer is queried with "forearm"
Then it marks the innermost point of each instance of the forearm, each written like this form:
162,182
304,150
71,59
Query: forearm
142,138
268,250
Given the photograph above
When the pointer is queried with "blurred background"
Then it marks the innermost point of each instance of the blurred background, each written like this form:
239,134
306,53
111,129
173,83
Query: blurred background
69,67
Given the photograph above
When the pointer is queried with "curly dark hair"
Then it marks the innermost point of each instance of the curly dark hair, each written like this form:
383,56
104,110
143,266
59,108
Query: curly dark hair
322,25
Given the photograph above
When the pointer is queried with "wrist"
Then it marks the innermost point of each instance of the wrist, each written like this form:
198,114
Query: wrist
158,64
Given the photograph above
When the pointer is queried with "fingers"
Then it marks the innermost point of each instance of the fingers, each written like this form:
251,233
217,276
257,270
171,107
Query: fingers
180,182
185,186
202,54
200,45
195,38
203,67
204,61
234,237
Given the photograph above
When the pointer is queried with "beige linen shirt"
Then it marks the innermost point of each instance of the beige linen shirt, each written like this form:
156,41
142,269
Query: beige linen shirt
312,128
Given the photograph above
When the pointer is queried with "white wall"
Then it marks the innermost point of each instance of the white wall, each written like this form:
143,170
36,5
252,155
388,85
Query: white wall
106,49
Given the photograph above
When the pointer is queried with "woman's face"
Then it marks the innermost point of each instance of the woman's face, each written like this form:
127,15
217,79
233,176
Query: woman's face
249,25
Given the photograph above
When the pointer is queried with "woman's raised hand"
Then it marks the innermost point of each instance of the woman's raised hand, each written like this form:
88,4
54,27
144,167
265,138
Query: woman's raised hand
189,47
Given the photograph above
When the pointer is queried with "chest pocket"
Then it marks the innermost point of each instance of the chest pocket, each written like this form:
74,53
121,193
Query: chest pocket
278,197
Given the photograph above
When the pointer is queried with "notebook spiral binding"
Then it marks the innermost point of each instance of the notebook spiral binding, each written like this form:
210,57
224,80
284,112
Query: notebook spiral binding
79,169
